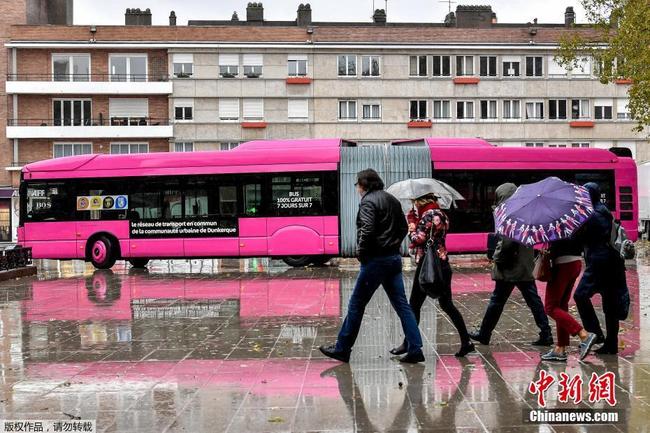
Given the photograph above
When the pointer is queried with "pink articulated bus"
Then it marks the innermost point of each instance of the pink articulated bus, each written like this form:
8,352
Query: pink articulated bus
292,199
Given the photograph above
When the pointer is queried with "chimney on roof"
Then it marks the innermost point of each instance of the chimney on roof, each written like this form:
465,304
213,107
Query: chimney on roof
569,17
255,12
304,15
476,17
235,17
494,17
379,17
172,18
137,17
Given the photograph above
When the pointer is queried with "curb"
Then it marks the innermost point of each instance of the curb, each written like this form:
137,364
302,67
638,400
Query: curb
18,273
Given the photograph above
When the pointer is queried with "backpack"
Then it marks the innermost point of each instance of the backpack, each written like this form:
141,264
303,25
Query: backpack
619,241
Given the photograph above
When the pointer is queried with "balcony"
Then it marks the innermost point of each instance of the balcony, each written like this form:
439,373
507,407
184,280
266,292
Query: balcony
93,84
144,127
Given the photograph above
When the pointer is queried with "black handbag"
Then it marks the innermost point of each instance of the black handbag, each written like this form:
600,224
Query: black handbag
432,279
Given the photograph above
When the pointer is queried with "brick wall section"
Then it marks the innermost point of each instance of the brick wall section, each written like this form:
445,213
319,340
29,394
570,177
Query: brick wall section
40,106
13,12
37,61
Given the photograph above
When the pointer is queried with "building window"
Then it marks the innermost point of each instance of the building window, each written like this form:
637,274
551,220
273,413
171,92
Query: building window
124,148
488,66
228,109
557,109
418,66
418,110
183,109
582,68
581,144
464,65
511,109
73,112
623,109
557,145
603,109
371,111
228,65
580,109
511,67
128,67
534,66
72,149
347,66
253,109
555,69
370,66
441,66
347,110
298,109
489,109
67,67
184,146
534,144
128,111
465,110
228,145
297,66
183,65
442,109
253,64
534,110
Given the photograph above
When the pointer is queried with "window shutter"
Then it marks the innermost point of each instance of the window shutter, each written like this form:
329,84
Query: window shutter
183,102
128,107
253,109
229,108
554,68
298,109
511,58
622,105
253,60
183,58
583,67
603,102
297,57
228,59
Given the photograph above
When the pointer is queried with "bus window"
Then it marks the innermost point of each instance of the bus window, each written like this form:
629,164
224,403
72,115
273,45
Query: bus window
196,201
227,200
156,200
103,200
252,199
48,202
297,194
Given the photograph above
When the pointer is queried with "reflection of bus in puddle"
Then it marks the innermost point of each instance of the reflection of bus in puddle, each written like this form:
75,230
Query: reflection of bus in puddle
112,308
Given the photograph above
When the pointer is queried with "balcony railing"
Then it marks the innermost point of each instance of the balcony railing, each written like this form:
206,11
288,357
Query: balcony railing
101,121
81,78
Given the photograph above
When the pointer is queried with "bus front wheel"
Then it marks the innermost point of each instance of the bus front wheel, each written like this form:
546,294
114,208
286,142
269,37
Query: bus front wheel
102,253
139,263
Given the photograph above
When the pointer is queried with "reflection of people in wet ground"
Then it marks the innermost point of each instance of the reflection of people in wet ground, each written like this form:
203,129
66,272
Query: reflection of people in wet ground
103,287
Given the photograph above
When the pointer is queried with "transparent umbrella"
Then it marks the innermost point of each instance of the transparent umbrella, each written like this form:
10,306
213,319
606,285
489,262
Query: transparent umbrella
407,190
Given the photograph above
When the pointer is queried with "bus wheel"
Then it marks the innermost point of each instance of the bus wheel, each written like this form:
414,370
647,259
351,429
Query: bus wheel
102,253
139,263
320,260
297,261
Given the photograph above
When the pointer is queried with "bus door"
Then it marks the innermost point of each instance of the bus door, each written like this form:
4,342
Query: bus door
253,240
211,207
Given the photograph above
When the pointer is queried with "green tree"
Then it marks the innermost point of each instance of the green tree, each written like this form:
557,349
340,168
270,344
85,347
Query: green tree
620,49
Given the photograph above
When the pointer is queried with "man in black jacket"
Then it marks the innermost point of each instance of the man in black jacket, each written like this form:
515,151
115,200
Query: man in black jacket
381,227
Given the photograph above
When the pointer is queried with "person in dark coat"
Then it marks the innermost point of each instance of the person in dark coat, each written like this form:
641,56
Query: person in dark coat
433,225
513,267
381,227
604,274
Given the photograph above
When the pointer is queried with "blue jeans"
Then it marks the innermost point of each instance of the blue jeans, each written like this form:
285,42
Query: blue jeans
387,272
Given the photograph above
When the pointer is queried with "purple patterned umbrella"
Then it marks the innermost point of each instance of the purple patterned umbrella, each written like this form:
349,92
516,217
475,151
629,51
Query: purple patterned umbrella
545,211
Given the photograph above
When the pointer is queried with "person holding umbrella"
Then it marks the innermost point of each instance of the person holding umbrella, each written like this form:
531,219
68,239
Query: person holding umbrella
513,267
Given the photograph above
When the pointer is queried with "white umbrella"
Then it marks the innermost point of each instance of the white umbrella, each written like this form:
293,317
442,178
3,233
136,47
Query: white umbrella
410,189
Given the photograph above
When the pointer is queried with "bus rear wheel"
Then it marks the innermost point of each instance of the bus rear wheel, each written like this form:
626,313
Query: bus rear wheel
139,263
102,253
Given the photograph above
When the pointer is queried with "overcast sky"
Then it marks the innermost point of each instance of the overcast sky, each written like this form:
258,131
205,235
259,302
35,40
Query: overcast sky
508,11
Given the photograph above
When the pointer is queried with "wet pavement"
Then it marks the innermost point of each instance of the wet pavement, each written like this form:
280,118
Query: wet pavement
232,346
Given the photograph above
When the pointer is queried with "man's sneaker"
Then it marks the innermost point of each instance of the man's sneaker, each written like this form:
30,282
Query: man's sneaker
586,345
331,352
554,356
600,339
543,340
412,358
477,336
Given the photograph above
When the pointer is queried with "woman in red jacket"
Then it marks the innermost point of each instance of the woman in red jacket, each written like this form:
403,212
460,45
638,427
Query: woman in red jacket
433,224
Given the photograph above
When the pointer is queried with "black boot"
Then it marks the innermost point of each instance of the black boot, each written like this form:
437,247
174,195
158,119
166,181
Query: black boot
334,354
399,350
465,348
412,358
477,336
543,340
